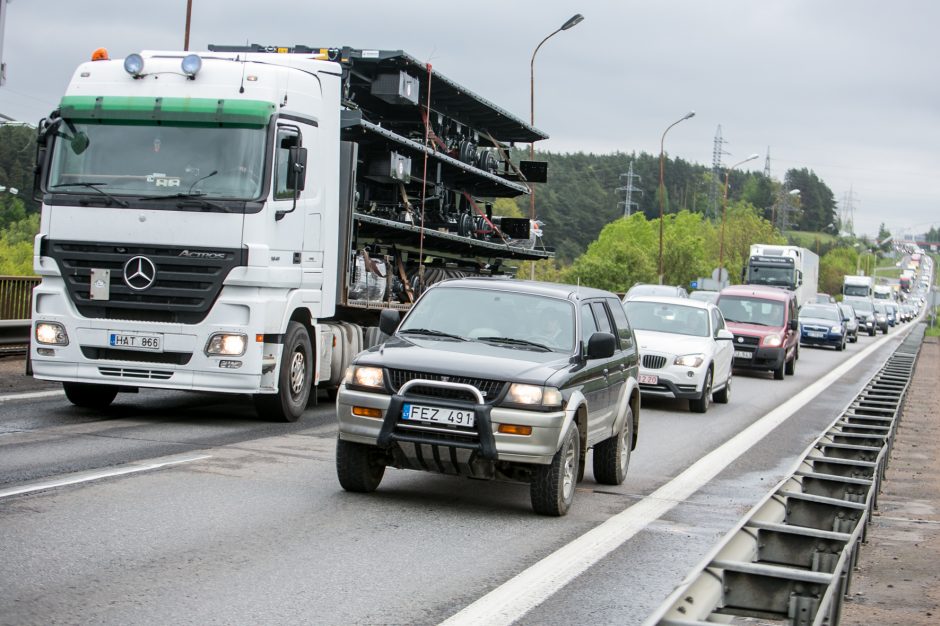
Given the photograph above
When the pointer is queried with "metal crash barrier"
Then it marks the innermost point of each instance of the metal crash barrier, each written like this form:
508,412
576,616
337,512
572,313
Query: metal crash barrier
790,560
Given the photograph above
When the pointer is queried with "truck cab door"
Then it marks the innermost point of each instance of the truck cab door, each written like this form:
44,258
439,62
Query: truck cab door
288,202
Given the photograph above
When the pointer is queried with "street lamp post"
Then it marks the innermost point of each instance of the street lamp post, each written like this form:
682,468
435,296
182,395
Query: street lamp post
662,191
724,207
574,20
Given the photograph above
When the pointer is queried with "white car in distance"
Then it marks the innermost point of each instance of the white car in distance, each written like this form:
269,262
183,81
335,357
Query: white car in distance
685,349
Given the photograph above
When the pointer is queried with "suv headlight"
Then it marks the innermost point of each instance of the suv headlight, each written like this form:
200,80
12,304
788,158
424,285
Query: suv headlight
836,329
690,360
773,341
365,376
533,396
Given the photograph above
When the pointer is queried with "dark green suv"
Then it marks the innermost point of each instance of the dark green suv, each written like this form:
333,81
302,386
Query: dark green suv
495,379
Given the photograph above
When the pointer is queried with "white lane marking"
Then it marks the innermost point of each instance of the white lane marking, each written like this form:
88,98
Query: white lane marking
84,477
528,589
32,395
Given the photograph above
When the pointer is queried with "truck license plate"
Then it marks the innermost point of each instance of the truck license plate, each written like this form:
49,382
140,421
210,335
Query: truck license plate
126,341
647,379
438,415
741,354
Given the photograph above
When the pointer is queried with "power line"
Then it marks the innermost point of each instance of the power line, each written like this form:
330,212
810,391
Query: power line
628,190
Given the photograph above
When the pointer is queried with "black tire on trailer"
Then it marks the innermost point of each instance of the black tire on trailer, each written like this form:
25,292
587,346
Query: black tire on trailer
90,396
612,456
294,378
359,467
553,485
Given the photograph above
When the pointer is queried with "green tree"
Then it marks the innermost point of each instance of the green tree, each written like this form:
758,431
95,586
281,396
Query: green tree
16,245
621,256
834,266
884,238
744,226
817,202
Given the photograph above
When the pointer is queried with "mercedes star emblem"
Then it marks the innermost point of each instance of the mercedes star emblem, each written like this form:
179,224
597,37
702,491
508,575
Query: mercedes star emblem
139,273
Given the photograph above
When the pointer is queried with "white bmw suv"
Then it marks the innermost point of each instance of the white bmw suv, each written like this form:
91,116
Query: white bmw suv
685,349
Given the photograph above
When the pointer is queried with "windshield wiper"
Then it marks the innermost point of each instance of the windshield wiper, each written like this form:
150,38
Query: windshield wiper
192,198
431,333
94,186
516,342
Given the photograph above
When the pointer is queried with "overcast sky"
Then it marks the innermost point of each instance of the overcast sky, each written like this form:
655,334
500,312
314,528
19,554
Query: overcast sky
847,88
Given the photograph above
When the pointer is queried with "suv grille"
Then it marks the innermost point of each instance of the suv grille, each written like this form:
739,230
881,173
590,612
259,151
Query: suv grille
183,290
489,388
653,362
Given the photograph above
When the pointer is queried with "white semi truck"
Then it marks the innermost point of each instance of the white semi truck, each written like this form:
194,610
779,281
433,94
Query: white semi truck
235,220
789,267
857,286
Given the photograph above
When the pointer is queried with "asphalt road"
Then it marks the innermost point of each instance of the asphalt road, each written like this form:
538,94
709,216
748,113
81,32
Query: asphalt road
259,530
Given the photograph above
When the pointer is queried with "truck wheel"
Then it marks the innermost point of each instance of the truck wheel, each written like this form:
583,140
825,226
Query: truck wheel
700,405
553,485
612,456
358,466
790,367
90,396
294,378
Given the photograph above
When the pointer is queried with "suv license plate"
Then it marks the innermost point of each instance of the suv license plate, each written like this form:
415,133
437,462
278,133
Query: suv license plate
646,379
124,341
438,415
741,354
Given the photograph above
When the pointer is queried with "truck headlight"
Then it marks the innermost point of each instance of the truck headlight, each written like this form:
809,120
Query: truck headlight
51,334
690,360
365,376
772,341
534,395
227,344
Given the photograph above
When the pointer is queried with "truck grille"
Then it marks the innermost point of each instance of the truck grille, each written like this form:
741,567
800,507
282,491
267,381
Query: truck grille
184,288
489,388
653,362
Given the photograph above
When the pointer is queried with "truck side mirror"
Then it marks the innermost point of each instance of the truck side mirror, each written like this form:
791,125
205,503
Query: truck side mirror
296,168
42,134
799,277
296,175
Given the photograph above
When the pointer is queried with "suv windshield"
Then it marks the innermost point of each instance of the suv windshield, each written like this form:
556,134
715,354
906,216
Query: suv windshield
747,310
148,160
668,318
495,315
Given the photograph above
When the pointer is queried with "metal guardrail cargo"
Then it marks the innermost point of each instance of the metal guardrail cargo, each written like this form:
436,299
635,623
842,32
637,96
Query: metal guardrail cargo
15,294
790,560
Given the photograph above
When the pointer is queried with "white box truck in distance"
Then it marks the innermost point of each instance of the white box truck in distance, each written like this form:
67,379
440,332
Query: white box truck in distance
235,220
857,286
788,267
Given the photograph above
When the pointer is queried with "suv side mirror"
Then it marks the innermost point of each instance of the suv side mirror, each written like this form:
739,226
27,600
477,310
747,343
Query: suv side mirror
794,324
724,335
601,346
388,321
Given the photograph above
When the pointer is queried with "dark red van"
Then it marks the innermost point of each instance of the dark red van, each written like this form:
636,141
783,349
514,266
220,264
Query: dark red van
766,328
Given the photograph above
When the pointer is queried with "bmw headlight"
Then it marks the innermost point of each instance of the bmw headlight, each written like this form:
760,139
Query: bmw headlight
365,376
534,396
690,360
772,341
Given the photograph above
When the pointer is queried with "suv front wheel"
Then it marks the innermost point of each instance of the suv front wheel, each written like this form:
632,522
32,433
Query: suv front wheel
553,485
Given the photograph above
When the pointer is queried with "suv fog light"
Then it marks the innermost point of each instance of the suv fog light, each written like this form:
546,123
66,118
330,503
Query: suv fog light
51,333
228,344
364,411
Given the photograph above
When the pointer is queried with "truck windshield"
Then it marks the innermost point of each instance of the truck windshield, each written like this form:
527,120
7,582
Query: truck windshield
145,160
780,276
860,291
508,318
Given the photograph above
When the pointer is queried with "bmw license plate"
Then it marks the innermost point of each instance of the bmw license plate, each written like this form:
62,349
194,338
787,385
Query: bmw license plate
742,354
127,341
647,379
437,415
